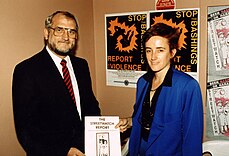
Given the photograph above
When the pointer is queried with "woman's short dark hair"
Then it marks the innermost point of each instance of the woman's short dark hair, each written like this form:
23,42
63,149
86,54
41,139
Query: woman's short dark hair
163,30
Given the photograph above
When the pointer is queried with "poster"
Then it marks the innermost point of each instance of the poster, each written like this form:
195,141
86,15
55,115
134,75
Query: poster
218,26
124,52
218,100
101,136
217,111
187,20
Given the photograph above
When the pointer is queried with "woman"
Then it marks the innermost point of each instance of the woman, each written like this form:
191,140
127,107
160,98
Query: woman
168,113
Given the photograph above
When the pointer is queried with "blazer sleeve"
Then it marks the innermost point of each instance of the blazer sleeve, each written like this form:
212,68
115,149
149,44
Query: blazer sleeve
192,120
22,93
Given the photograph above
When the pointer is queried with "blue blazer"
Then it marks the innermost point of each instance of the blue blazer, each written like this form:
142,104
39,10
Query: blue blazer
177,127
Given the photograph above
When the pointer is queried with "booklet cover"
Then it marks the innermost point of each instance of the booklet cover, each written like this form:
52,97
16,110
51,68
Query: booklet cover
101,136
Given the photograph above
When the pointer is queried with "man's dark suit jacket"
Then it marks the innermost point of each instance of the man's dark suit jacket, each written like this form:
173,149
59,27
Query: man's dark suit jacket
46,119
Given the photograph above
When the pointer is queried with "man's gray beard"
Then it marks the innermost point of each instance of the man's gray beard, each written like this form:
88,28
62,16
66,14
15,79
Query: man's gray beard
62,53
58,52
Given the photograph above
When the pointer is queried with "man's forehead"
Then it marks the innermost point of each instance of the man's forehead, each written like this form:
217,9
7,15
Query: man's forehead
62,19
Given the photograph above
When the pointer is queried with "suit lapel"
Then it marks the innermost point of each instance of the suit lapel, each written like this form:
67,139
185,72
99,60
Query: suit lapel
53,75
52,71
79,75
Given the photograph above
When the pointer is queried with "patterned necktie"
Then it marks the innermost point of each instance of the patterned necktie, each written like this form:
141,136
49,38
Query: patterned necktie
67,79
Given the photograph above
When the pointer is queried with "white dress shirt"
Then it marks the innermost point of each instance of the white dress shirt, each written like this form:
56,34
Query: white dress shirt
57,61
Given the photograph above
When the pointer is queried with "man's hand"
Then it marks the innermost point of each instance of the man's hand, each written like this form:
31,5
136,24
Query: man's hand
75,152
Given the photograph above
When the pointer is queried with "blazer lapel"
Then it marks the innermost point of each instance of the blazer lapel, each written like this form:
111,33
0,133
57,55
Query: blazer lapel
157,126
53,75
156,130
52,70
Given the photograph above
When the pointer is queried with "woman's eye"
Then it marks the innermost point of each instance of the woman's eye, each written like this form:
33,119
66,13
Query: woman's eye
148,50
160,50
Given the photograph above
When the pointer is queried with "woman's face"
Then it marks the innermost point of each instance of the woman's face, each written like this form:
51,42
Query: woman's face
158,53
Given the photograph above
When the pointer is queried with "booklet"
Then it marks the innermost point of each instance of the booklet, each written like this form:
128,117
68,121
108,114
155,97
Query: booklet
101,136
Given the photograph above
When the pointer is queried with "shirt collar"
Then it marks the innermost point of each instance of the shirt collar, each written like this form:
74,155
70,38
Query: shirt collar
55,58
168,77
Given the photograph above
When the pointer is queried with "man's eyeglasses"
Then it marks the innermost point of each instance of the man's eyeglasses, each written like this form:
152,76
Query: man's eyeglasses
59,31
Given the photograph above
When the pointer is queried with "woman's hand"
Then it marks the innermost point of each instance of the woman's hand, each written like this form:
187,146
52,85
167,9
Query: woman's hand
75,152
124,124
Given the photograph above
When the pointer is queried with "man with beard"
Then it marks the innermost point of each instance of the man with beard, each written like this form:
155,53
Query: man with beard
52,93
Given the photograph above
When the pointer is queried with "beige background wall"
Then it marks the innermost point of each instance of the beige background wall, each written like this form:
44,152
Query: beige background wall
21,30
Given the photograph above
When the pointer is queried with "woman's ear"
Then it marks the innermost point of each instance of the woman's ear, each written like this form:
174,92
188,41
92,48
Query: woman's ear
173,52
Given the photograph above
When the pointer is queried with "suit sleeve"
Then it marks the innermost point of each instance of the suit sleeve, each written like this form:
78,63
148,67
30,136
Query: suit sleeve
22,93
192,120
